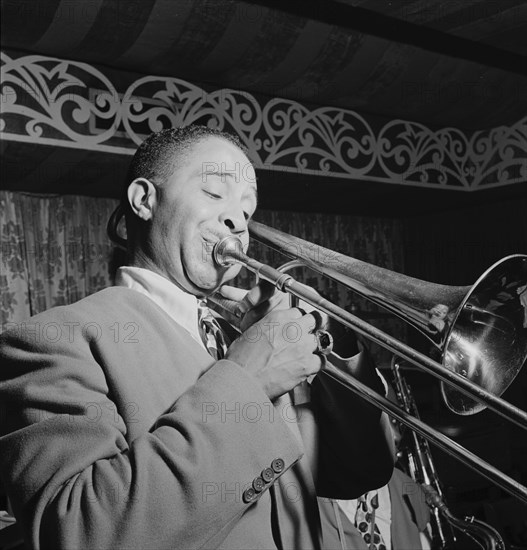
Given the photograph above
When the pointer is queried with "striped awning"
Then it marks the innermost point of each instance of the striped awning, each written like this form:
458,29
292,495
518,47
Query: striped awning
420,94
354,61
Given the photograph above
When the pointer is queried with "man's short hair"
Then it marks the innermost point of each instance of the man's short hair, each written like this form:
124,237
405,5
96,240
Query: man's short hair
159,155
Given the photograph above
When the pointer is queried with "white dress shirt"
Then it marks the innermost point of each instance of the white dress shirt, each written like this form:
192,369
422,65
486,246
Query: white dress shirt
177,303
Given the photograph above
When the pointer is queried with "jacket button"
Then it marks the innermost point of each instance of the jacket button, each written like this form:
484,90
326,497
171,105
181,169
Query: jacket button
268,475
249,495
258,484
277,465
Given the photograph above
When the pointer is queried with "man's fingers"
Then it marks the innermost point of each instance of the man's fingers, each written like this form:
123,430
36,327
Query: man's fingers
316,364
322,363
258,294
308,322
320,319
233,293
301,328
323,321
265,307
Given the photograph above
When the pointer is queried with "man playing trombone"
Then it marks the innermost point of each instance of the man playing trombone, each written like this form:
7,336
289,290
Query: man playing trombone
132,424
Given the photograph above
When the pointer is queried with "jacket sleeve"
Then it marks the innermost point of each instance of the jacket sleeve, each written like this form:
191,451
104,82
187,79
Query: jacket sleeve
356,452
74,479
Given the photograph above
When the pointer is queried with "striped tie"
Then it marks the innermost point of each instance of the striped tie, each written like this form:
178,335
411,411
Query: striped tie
210,332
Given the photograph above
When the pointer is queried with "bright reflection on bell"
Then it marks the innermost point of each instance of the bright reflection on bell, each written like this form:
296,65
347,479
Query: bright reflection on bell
485,345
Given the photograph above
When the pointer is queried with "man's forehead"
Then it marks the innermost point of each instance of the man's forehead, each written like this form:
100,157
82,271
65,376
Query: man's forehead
217,156
218,146
236,175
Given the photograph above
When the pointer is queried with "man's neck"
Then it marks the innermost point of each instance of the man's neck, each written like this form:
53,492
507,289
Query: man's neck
138,258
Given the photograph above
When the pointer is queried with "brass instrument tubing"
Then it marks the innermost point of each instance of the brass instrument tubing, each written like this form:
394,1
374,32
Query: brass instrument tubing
289,284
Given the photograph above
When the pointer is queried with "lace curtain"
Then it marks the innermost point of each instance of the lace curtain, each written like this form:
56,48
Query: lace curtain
55,251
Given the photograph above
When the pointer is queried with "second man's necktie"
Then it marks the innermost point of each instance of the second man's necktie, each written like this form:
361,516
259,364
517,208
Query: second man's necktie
365,521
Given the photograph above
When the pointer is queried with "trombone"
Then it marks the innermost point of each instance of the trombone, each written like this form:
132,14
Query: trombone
481,331
421,468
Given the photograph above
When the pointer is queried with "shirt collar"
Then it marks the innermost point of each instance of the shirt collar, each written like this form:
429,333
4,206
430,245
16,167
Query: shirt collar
178,304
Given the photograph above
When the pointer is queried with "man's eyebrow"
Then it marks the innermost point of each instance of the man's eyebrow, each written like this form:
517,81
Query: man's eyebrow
233,174
215,172
236,174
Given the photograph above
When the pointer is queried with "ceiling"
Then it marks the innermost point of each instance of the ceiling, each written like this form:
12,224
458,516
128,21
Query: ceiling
440,63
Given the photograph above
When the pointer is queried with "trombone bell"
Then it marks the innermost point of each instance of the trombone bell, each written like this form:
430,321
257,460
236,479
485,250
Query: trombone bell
487,342
480,332
500,319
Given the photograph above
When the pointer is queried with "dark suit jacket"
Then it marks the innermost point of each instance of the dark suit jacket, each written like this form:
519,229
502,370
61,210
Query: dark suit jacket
119,431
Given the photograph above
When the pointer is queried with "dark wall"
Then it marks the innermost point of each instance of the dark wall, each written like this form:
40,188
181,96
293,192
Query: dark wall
456,247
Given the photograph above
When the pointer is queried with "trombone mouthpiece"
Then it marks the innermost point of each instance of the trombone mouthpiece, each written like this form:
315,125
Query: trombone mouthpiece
227,250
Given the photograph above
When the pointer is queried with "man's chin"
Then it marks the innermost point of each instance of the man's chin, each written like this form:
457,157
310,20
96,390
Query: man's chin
207,285
205,278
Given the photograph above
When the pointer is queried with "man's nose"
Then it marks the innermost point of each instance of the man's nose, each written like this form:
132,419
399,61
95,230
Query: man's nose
235,221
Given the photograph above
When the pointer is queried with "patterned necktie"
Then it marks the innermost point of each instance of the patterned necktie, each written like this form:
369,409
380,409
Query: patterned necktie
365,521
210,332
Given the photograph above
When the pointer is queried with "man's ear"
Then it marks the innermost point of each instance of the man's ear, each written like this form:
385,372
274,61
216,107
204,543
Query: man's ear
142,198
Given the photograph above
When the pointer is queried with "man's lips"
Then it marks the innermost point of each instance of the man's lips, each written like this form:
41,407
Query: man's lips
213,239
210,241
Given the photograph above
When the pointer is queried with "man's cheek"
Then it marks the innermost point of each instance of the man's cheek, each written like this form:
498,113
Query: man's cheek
232,272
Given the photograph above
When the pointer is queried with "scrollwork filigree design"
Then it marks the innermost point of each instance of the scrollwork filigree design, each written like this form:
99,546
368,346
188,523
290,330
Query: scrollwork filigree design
323,141
500,155
49,99
413,154
179,103
73,104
